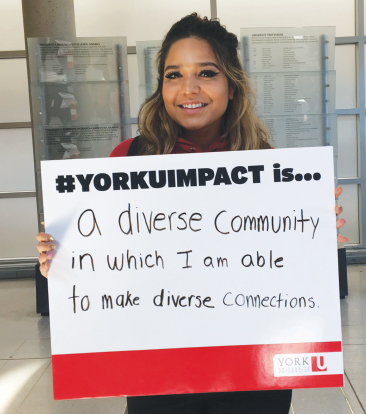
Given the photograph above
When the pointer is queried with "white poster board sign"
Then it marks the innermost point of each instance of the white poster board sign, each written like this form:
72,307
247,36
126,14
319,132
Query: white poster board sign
190,260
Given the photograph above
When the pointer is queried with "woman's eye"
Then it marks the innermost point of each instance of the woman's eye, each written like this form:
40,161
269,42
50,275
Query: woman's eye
173,75
208,73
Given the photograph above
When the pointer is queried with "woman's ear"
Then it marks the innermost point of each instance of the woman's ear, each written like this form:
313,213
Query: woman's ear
231,93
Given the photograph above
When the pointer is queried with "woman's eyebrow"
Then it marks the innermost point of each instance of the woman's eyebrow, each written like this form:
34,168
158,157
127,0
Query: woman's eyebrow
172,67
200,64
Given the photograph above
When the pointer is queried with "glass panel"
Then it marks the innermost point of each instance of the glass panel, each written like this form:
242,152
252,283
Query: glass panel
283,13
134,130
11,25
349,202
134,88
80,96
18,227
138,20
295,93
146,60
80,103
146,56
14,98
287,49
345,66
292,70
16,160
77,142
302,131
347,146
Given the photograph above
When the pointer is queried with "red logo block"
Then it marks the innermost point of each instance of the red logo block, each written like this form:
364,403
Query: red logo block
317,364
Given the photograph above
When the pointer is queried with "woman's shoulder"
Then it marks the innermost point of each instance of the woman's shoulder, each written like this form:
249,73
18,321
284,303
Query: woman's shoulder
121,149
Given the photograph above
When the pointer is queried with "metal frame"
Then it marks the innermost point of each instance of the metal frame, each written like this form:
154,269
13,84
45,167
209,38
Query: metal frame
15,125
213,9
12,54
23,267
17,194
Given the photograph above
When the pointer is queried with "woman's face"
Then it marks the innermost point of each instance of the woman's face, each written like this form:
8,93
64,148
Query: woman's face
195,92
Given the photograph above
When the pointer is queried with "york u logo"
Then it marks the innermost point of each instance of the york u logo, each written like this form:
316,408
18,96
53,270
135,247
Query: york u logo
317,364
293,362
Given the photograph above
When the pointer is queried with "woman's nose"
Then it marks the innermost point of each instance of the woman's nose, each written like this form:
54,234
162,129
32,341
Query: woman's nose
190,85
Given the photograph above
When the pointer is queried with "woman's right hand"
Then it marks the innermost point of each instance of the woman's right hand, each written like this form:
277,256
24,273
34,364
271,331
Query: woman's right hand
45,248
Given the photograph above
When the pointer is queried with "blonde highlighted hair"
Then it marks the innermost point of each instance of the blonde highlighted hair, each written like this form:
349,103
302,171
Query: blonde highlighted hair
239,125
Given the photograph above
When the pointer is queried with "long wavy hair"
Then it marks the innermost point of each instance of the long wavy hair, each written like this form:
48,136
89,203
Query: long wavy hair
240,125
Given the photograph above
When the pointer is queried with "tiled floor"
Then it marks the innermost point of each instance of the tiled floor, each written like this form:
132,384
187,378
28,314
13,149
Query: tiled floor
26,372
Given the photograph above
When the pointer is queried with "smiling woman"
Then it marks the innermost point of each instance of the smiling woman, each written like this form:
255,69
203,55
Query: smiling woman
203,93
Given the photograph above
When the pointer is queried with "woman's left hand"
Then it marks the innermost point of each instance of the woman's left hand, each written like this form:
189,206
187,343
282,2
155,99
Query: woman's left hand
340,222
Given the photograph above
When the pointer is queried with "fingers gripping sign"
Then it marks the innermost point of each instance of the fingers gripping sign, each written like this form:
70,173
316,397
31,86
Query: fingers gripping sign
340,222
46,247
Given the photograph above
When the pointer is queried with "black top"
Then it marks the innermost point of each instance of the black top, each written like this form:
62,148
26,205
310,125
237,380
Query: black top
243,402
134,147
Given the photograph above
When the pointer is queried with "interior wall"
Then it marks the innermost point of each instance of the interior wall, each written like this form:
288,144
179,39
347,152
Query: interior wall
288,13
11,25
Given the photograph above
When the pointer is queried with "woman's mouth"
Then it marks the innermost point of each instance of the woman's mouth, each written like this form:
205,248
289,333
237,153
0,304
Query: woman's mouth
192,106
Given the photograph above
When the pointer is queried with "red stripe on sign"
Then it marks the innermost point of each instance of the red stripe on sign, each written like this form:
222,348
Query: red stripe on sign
182,370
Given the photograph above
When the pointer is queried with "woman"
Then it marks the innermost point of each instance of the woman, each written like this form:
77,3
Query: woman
203,103
219,91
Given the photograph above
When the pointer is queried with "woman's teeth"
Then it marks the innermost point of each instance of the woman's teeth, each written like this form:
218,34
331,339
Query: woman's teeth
193,106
